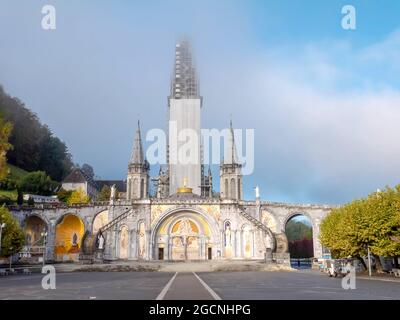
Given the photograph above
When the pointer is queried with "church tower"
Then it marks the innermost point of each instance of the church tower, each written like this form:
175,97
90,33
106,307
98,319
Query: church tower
138,171
231,170
184,139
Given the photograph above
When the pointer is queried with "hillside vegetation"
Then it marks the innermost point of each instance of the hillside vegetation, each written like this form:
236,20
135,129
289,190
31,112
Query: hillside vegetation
34,146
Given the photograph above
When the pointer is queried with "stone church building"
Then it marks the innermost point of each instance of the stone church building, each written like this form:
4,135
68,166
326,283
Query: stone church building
186,219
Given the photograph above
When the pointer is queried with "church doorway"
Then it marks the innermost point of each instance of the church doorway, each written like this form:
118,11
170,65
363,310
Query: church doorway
160,253
209,253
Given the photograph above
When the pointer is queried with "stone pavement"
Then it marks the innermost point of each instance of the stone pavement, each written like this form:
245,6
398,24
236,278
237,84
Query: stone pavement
195,266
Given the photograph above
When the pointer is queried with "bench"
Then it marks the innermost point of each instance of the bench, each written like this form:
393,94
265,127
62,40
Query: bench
3,272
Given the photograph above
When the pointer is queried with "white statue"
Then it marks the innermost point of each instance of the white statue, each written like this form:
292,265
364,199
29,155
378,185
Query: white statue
100,242
257,189
142,244
228,237
113,191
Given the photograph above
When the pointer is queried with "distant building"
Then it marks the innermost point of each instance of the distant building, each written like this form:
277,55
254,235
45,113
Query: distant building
77,179
40,199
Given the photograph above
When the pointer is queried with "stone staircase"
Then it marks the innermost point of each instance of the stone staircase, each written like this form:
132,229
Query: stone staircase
90,254
116,220
280,248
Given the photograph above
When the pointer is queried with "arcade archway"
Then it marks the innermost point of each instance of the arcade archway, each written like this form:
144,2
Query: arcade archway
68,238
299,232
34,227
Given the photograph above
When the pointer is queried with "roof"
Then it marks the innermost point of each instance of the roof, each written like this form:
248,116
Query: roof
78,176
119,184
184,196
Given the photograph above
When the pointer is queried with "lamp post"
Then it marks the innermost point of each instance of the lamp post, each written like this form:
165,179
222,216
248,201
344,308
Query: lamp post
11,248
3,225
44,235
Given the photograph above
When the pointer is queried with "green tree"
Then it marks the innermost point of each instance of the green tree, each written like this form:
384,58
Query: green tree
12,236
104,194
63,195
38,182
35,148
5,131
78,197
372,222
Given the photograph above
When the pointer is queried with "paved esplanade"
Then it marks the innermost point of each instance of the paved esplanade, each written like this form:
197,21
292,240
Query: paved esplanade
189,285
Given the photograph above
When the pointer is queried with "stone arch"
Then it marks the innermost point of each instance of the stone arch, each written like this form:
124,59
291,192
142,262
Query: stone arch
34,226
161,230
226,188
99,220
69,231
270,220
314,227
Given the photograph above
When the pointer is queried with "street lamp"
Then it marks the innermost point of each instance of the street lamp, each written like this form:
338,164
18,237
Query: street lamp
44,235
3,225
11,248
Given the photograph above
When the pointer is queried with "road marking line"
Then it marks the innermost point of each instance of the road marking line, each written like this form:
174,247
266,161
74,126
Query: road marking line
205,285
166,288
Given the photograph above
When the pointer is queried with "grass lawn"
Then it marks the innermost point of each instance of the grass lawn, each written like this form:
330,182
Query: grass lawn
10,194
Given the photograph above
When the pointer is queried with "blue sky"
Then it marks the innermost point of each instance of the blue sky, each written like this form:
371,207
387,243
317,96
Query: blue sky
324,102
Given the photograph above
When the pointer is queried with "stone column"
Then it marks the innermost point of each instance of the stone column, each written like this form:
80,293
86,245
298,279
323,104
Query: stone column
223,244
253,243
133,244
169,248
51,239
149,254
241,244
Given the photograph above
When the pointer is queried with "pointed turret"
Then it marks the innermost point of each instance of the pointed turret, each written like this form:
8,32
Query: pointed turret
230,154
138,171
231,170
137,156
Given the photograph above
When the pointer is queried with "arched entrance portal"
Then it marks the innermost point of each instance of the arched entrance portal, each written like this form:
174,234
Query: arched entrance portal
184,236
299,232
69,233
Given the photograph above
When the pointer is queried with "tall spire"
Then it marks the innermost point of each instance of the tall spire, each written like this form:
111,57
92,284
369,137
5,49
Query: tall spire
184,84
137,156
230,154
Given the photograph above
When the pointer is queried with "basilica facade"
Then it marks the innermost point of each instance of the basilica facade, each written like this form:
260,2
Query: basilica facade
185,218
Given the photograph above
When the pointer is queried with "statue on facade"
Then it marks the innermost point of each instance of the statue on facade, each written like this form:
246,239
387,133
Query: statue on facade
100,241
257,190
228,235
113,192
